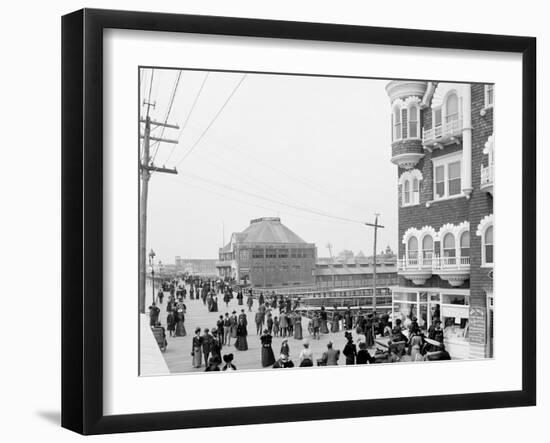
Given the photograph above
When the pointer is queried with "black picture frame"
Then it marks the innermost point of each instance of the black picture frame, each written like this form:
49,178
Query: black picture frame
82,220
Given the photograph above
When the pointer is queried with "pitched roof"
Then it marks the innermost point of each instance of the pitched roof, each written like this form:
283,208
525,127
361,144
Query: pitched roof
268,230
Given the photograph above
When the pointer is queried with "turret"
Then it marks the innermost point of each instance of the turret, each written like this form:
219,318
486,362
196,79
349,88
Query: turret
406,101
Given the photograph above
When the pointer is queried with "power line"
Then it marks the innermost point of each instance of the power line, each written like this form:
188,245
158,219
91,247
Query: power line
315,187
255,182
189,114
213,120
246,202
172,97
261,197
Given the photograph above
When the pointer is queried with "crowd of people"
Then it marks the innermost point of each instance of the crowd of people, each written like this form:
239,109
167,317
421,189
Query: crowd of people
379,338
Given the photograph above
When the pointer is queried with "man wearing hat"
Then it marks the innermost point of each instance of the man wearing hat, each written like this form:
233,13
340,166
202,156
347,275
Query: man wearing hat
283,362
206,345
227,329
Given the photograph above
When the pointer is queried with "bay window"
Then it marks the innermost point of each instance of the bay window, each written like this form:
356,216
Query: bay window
397,134
414,129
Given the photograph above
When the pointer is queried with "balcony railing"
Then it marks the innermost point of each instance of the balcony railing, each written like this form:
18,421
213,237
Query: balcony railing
487,174
447,130
433,263
451,263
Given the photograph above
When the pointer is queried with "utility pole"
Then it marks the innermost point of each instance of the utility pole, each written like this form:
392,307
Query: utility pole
146,167
375,225
329,246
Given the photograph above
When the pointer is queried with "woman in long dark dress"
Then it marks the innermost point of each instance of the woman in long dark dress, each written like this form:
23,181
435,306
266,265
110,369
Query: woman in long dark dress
298,326
226,298
180,320
368,331
348,319
197,349
285,349
171,323
323,317
214,303
180,327
350,350
240,297
335,324
233,323
250,302
241,344
268,358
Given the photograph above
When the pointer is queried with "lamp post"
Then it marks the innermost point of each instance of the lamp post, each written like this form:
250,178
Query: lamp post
151,263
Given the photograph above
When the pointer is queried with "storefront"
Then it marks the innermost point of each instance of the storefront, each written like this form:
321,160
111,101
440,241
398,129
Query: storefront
451,306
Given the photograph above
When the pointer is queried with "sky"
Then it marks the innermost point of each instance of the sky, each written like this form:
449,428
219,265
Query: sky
314,151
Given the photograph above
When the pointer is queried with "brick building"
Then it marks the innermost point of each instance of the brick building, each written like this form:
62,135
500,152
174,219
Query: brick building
267,254
442,144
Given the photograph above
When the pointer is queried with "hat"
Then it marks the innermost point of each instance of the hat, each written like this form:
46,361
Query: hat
305,342
227,358
284,357
265,331
197,329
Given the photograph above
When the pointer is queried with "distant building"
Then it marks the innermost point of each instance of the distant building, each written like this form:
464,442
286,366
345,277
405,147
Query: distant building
196,266
267,254
356,272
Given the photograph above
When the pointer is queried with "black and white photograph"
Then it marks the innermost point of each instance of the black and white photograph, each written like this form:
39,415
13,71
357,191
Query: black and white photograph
305,221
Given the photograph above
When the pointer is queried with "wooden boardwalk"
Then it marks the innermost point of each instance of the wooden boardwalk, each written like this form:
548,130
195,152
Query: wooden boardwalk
178,354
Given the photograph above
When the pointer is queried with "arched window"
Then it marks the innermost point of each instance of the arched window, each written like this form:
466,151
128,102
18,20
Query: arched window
413,122
465,244
427,249
449,245
488,246
406,192
397,134
416,192
412,248
451,113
